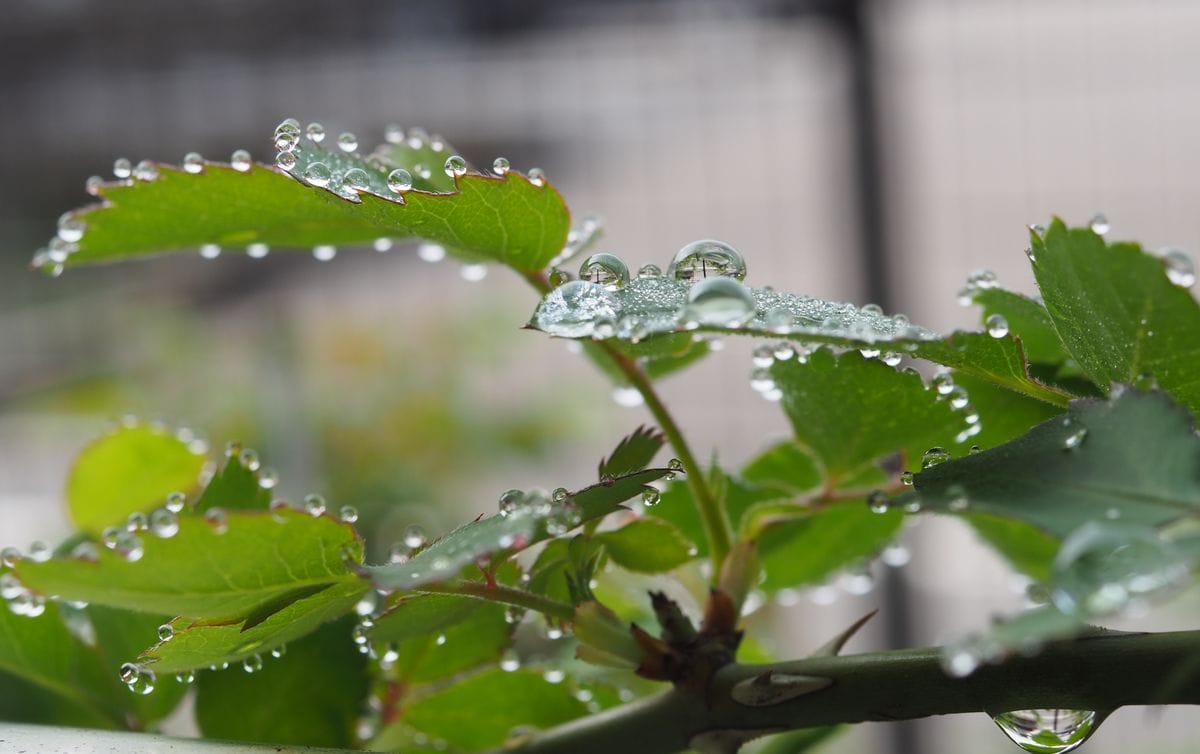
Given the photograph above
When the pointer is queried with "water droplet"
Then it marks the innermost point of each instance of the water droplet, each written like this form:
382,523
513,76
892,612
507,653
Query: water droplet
314,505
355,179
997,325
720,302
93,184
959,398
455,166
382,244
560,495
554,675
324,252
651,497
895,556
9,556
399,180
1075,439
317,174
166,632
1103,566
959,661
393,133
193,162
253,663
877,502
129,546
240,160
122,168
675,465
39,551
500,166
537,176
431,252
347,142
210,251
257,250
248,458
216,518
348,514
763,356
1048,731
137,521
891,358
982,280
279,651
315,133
139,680
286,141
510,501
934,456
869,353
510,661
186,677
164,523
1180,270
1099,224
942,383
649,271
703,259
268,479
571,309
414,536
145,170
473,273
70,228
285,160
606,270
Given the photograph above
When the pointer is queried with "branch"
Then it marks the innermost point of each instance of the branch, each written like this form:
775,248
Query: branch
1096,673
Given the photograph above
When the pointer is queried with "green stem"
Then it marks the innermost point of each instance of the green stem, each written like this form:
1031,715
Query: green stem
505,595
716,526
1095,673
717,530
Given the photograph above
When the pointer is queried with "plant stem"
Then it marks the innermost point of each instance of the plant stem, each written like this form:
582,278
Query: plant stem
1094,673
506,595
717,530
716,526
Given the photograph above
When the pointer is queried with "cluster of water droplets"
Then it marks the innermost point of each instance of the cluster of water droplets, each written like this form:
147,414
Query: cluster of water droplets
702,288
556,510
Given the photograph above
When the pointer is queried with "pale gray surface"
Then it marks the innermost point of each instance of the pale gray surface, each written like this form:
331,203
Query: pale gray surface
39,739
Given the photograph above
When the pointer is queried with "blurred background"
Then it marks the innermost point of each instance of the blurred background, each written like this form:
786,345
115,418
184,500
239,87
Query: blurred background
862,151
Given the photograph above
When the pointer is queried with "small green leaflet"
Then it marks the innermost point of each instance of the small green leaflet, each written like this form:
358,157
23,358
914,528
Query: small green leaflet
633,453
239,485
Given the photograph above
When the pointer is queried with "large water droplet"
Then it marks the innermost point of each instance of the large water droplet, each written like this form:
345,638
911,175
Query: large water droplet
324,252
122,167
70,228
355,179
703,259
166,632
315,133
1104,566
537,176
193,162
934,456
1048,731
1099,224
1180,270
314,505
257,250
347,142
210,251
500,166
720,301
605,269
414,536
164,523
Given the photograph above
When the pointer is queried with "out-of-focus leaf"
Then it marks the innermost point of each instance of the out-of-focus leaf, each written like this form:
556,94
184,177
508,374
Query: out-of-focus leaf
478,712
810,549
633,453
235,487
312,696
133,468
1029,549
647,545
479,638
786,467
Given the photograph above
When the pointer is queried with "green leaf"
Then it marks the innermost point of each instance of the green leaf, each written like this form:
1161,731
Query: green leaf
48,676
1027,319
1134,457
785,467
416,151
312,696
237,486
851,411
810,549
647,545
1119,315
998,360
1003,414
478,712
120,636
133,468
477,639
418,616
204,573
505,219
633,453
200,644
677,507
528,524
1030,550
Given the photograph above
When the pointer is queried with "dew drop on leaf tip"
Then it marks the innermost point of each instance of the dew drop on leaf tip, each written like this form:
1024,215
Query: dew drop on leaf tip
1179,267
1099,224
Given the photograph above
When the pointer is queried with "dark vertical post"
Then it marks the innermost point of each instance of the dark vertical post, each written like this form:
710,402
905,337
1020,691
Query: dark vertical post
870,198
